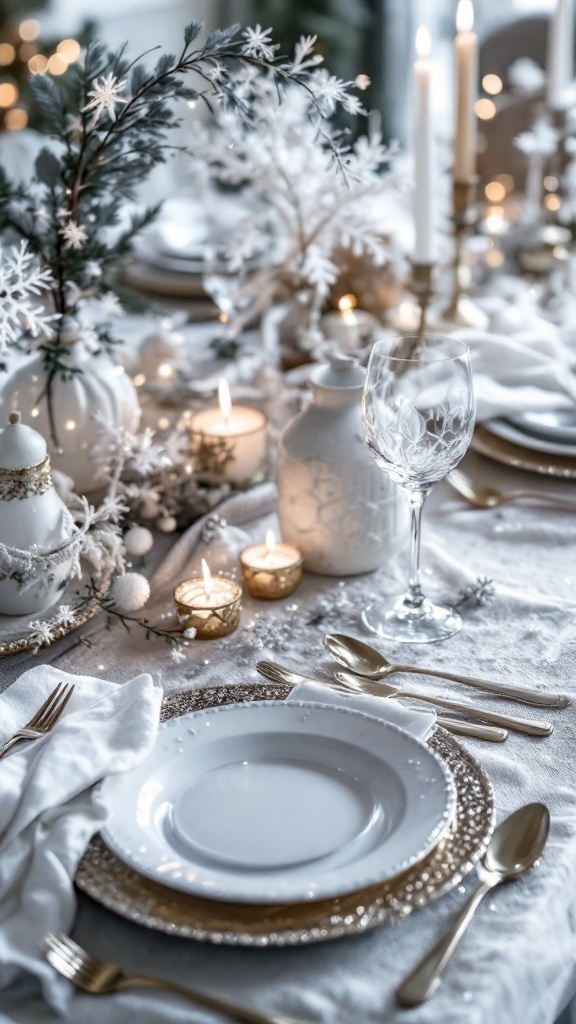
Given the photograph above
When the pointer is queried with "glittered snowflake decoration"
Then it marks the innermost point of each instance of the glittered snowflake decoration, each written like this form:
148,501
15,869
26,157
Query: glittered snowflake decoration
105,97
22,280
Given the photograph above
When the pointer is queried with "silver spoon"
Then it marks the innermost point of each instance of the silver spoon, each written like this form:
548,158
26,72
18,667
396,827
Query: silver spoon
365,660
516,845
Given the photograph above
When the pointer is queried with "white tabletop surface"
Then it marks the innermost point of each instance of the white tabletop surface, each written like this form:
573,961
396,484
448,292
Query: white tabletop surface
516,965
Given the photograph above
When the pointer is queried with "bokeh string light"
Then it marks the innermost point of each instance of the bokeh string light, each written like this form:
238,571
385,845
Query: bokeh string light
23,52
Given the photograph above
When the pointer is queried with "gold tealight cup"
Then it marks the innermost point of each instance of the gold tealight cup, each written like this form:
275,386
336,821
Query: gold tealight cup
208,604
271,570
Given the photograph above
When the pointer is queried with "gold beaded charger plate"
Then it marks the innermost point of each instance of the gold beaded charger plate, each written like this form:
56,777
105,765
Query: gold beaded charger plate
487,443
120,888
17,635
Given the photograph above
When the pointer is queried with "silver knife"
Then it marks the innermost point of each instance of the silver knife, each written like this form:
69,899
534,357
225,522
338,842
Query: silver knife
278,674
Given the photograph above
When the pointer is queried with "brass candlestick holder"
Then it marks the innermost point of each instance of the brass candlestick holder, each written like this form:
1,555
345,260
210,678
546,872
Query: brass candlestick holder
462,312
422,288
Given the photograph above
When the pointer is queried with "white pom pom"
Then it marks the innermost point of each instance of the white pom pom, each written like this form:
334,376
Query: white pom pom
168,524
130,591
138,540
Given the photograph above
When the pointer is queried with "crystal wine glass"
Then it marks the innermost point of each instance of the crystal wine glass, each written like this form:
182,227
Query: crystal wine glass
418,416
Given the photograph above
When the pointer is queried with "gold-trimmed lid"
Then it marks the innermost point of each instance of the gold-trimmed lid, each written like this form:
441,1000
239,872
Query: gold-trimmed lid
21,447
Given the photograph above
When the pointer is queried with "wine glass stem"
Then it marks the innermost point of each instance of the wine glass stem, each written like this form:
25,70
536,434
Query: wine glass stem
414,596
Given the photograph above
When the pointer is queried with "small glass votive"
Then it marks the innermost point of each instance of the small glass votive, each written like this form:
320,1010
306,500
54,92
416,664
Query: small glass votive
271,570
208,604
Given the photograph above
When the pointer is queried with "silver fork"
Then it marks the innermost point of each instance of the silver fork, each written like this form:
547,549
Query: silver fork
481,496
44,719
100,977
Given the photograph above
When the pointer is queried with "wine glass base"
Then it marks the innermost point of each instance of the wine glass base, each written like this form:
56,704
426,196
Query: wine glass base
429,624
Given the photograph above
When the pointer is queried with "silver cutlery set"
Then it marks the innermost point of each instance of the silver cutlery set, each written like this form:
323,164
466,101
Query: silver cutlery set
365,672
517,843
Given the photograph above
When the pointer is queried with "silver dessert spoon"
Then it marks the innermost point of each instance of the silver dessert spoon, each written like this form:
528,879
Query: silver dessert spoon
516,845
365,660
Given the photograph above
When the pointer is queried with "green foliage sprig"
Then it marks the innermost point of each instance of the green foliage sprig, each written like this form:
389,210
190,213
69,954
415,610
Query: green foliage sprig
111,119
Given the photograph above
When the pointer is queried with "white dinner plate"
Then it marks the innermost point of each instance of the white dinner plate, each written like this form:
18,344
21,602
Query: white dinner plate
558,425
508,432
278,802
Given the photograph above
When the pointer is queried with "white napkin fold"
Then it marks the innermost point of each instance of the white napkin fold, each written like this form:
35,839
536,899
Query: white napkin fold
526,368
47,812
419,723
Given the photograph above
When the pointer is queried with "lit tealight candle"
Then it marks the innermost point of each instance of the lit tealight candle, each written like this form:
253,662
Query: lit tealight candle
271,570
231,440
208,604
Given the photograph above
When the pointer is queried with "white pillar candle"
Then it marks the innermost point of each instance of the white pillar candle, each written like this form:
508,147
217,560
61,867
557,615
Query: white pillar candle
466,47
423,156
242,430
560,57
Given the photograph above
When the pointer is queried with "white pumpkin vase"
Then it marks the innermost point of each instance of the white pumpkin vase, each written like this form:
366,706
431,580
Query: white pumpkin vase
32,517
334,502
101,392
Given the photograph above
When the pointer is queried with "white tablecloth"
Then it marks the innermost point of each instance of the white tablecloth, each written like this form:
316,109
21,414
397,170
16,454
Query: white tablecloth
516,965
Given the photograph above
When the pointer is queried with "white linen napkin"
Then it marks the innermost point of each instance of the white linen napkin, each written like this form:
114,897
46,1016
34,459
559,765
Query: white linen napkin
420,724
526,368
47,811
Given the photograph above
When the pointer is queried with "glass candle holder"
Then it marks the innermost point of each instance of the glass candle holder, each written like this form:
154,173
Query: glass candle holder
271,570
213,611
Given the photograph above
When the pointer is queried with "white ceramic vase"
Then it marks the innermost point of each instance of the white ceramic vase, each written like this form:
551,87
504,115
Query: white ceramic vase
334,503
101,392
32,517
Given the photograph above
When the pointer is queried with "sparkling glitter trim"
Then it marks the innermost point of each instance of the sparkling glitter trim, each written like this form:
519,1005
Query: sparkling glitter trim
21,483
116,886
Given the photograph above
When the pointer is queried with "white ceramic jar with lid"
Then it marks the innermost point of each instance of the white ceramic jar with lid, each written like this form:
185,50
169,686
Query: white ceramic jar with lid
32,517
334,502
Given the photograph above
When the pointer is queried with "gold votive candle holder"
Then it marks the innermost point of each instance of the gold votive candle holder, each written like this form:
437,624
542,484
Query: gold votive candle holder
212,613
271,570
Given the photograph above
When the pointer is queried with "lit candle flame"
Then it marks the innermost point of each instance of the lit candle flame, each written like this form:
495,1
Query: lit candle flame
423,46
207,578
224,399
465,16
270,542
346,302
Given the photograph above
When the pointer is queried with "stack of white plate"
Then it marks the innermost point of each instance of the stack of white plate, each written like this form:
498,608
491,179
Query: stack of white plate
553,433
542,442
